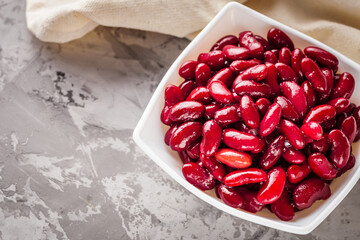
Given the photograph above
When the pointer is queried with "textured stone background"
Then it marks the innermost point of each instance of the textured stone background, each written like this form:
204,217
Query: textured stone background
69,168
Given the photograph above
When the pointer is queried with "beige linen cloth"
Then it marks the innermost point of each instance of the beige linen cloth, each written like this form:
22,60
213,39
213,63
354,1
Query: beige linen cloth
333,22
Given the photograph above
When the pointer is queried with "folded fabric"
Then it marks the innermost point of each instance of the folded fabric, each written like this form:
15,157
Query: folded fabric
334,22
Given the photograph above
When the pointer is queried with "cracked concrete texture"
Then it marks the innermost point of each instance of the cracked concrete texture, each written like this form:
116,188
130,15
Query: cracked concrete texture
69,168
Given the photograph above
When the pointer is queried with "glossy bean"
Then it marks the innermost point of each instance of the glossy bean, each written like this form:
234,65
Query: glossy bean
349,165
344,87
321,166
273,187
329,76
320,114
244,176
349,128
184,157
270,120
233,158
173,95
198,176
310,190
241,65
199,94
285,56
186,111
169,133
282,207
287,109
263,105
340,104
165,115
296,96
312,130
322,56
340,148
263,42
321,145
247,40
278,39
220,93
211,138
286,73
292,133
254,89
233,53
249,112
227,115
251,204
256,73
184,135
292,155
230,196
202,74
310,94
240,140
272,79
225,75
186,88
214,59
272,153
297,173
193,150
187,69
270,57
314,75
296,56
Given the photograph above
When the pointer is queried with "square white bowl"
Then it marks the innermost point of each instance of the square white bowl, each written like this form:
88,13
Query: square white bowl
149,133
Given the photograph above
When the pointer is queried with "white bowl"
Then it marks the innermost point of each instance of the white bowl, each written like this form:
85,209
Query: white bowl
149,133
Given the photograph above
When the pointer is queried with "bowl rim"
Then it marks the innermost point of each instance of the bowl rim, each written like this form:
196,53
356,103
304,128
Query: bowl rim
284,226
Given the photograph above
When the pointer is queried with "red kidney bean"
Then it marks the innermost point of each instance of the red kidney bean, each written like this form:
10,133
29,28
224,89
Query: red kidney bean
249,112
285,56
270,120
214,59
276,52
211,109
296,56
272,189
225,75
271,79
297,173
220,93
322,56
329,76
187,69
344,87
251,204
340,104
278,39
240,140
244,176
253,89
310,190
349,165
230,196
213,166
320,114
236,53
198,176
292,155
173,95
310,94
199,94
312,130
283,208
211,132
340,148
247,40
256,73
193,151
241,65
296,96
263,42
165,115
222,42
185,135
263,105
285,73
227,115
349,128
186,87
292,133
202,74
321,166
186,111
184,157
288,110
321,145
314,75
233,158
270,57
169,132
273,153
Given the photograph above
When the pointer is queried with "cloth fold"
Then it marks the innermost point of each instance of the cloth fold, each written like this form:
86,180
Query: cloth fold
334,22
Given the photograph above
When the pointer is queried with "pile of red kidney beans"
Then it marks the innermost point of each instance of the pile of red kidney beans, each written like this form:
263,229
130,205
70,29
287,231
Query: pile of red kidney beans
262,122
